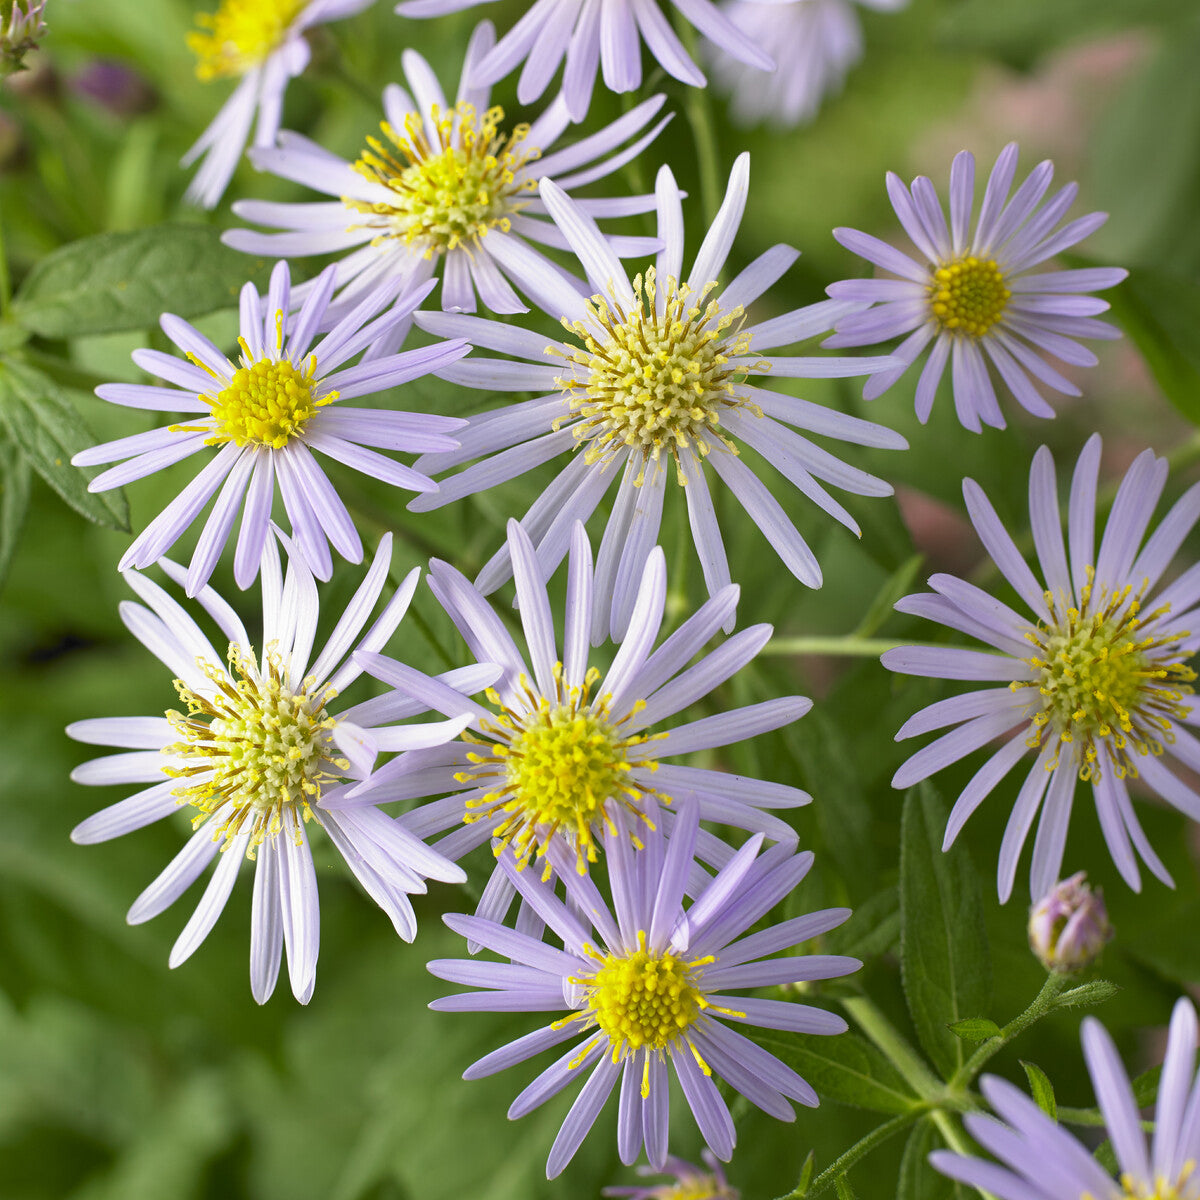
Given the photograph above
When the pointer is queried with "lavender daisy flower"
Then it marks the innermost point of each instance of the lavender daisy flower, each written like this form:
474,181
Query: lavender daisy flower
653,371
258,755
815,43
645,984
1039,1160
563,749
1094,683
268,412
599,33
441,190
974,296
261,43
690,1183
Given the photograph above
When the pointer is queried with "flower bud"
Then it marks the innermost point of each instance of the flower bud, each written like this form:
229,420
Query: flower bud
1069,926
20,33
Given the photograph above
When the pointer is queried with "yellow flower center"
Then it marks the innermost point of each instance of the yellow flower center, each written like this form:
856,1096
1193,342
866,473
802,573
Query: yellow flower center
968,296
656,383
699,1187
555,766
240,35
254,743
447,193
1102,680
1161,1189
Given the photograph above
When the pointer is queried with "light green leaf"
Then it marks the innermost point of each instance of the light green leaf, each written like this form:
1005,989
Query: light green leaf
14,502
1041,1089
974,1029
944,958
48,430
806,1174
1087,994
917,1179
119,281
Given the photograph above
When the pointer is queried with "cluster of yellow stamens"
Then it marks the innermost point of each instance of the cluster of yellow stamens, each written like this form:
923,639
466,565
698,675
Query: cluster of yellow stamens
240,34
253,743
1161,1189
450,191
556,765
654,382
969,295
695,1187
1103,681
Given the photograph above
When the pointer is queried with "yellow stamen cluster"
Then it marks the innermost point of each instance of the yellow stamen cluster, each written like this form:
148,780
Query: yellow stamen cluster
450,191
556,765
1103,681
1162,1188
653,383
968,296
267,403
253,743
695,1187
240,35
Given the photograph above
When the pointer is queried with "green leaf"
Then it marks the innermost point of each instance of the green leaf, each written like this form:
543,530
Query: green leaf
897,585
1041,1089
917,1179
1087,994
122,281
945,963
14,502
842,1186
1160,312
974,1029
806,1173
1145,1087
47,429
845,1068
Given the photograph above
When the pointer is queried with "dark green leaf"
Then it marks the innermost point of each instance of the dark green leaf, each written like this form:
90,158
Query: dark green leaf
1041,1089
127,280
872,930
846,1068
944,958
1087,994
917,1179
14,501
974,1029
47,429
1145,1087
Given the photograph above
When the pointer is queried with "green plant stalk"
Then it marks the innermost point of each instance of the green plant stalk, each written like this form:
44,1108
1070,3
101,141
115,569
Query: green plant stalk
698,107
900,1054
847,646
860,1149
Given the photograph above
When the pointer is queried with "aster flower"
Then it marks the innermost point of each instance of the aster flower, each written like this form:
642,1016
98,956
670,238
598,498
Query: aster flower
599,33
563,749
442,189
20,33
1039,1160
1095,683
257,755
973,296
283,399
653,371
690,1182
815,43
645,983
260,43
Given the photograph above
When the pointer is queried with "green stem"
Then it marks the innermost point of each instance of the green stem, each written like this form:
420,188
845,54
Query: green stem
5,278
698,107
860,1149
849,646
900,1054
1042,1003
1092,1117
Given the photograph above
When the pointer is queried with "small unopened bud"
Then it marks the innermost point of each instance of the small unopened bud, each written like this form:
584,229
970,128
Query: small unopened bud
1069,927
20,33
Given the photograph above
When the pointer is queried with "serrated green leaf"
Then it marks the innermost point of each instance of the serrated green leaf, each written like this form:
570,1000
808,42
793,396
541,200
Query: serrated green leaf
1041,1089
14,503
47,429
917,1179
1087,994
121,281
974,1029
845,1068
945,963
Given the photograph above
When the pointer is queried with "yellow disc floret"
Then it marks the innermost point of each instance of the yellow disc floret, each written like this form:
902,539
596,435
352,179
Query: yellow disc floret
240,35
450,191
253,743
555,765
968,295
1103,680
1161,1189
655,383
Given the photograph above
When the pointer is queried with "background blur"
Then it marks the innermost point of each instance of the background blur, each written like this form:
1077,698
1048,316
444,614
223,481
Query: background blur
121,1080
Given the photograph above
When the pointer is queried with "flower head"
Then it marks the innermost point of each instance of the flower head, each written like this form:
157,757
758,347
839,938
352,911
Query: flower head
1097,681
653,373
562,751
1037,1157
814,43
444,189
267,413
20,34
260,43
258,751
1069,927
690,1182
644,984
975,297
